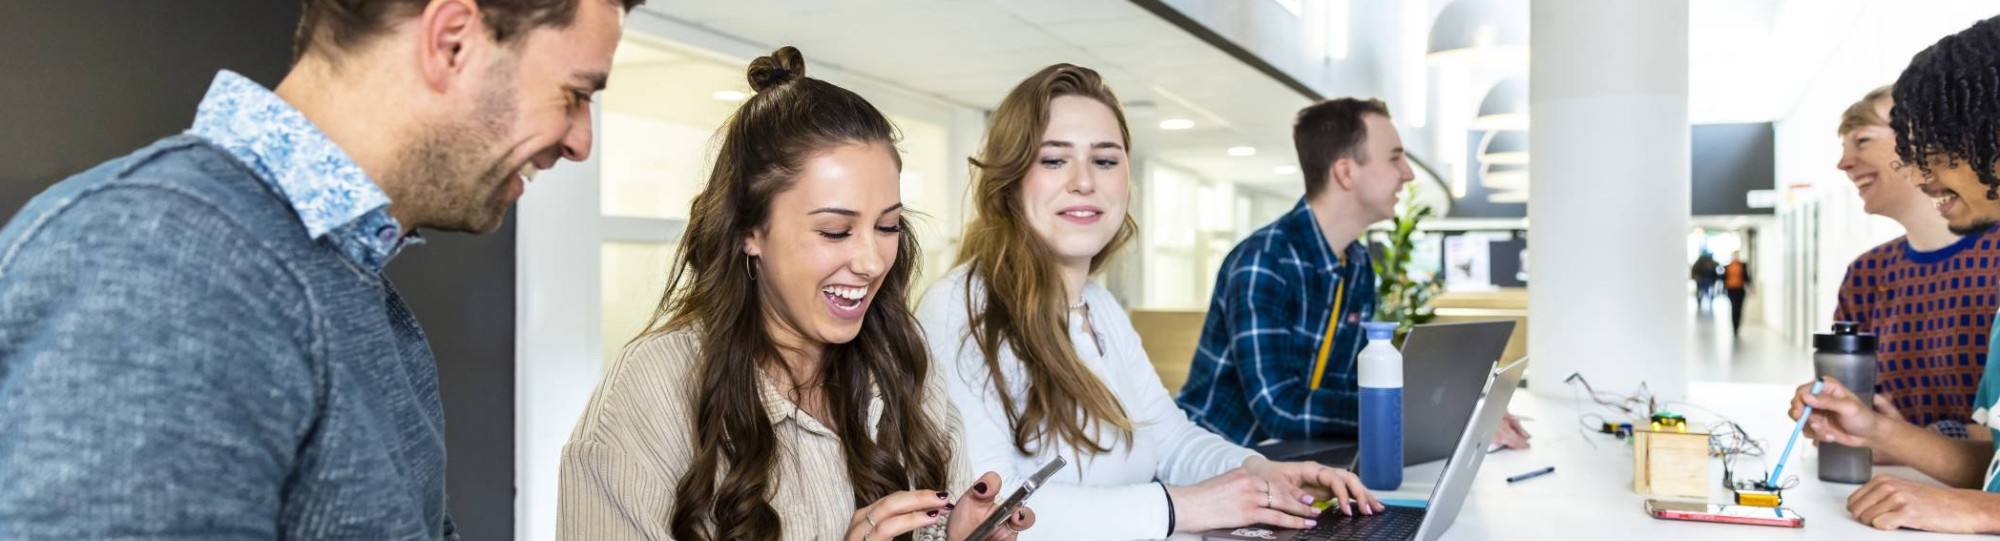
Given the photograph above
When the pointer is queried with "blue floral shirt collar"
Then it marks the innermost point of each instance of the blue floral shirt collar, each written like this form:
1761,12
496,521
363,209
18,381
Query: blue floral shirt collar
333,197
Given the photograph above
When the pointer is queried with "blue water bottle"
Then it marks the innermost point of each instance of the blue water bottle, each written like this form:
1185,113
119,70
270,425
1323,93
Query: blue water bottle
1381,377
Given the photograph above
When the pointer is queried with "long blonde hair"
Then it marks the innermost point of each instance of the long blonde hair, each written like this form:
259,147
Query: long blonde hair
1025,308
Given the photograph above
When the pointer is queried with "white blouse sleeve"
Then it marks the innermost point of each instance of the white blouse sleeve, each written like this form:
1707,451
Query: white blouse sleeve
1189,454
1063,509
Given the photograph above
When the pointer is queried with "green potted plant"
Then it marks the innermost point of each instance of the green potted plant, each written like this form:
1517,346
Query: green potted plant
1401,296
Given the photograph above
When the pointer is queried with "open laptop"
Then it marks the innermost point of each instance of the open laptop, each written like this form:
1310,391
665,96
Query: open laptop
1447,497
1444,365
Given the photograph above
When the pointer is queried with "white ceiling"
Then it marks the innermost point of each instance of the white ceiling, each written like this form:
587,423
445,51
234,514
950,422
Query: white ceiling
1753,60
971,52
667,83
1749,60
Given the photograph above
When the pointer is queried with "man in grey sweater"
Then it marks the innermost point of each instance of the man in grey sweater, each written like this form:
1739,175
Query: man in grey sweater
197,340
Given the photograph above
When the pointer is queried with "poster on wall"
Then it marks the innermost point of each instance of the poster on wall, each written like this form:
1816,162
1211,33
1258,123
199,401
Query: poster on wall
1468,263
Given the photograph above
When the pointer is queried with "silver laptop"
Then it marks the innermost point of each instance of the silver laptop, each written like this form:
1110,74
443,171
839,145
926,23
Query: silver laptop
1447,497
1444,365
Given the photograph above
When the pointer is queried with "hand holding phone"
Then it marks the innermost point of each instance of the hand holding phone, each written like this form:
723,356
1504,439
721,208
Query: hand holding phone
1007,507
1726,514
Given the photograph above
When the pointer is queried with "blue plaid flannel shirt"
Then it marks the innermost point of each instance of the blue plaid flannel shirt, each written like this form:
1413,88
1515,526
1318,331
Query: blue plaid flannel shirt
1250,380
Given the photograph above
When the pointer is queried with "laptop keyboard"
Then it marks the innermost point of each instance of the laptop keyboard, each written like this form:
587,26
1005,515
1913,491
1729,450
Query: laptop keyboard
1395,524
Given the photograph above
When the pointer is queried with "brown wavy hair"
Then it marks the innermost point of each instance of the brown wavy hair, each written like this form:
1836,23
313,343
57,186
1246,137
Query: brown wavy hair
727,491
1025,308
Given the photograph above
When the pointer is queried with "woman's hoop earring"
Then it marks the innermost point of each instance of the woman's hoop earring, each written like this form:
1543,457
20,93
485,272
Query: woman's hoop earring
750,266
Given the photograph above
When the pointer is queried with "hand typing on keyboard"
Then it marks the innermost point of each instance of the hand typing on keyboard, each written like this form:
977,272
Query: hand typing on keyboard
1273,493
1395,523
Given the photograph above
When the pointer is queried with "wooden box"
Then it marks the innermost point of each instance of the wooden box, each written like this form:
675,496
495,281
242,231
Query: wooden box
1670,464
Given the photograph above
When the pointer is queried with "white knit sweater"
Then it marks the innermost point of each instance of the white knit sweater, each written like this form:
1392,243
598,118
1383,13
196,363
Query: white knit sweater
1109,497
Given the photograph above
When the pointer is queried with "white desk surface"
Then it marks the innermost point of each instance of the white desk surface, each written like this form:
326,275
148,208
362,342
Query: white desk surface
1590,494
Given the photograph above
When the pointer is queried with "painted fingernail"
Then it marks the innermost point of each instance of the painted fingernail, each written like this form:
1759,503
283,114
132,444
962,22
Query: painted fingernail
943,495
1307,499
931,513
1311,523
979,488
950,506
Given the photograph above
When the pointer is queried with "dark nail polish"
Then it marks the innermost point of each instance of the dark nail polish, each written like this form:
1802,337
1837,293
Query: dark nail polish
943,495
979,488
950,506
931,513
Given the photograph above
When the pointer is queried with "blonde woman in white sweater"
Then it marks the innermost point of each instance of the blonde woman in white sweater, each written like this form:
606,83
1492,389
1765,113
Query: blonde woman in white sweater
1042,363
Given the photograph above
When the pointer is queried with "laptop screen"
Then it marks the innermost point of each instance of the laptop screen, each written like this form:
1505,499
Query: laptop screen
1459,470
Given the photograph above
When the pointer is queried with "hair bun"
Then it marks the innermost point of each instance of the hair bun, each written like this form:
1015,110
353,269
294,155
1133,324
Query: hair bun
782,66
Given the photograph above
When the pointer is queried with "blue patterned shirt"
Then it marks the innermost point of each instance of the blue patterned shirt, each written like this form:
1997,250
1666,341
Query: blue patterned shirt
335,200
1985,403
1274,297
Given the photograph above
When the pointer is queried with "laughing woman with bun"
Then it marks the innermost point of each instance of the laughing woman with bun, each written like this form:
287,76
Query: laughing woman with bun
782,389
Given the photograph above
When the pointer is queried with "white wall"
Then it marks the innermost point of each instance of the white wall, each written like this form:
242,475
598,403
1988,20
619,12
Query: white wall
1609,93
557,342
1769,264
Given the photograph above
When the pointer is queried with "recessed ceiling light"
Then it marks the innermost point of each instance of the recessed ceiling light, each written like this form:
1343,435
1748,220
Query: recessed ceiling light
729,95
1176,124
1242,151
1286,170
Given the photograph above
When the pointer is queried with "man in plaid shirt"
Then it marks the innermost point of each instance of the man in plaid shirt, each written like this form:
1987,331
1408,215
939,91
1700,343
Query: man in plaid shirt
1277,353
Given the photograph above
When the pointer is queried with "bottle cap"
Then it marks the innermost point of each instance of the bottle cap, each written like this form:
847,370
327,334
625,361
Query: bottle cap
1845,338
1379,330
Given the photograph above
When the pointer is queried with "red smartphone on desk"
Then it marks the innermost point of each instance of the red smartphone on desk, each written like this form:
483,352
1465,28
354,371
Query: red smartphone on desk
1723,513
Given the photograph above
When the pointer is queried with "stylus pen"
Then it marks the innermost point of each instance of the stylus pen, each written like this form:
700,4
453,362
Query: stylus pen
1532,474
1777,475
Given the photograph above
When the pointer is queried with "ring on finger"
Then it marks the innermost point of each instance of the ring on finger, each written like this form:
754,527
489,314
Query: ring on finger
871,524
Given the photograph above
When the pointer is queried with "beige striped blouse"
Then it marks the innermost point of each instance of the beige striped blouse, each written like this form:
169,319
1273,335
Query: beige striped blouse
634,443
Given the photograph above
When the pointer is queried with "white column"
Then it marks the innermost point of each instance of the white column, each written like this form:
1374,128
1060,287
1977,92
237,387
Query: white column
558,336
1608,222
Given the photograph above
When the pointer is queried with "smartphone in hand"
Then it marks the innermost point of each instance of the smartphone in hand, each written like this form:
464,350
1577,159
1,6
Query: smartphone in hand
1006,509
